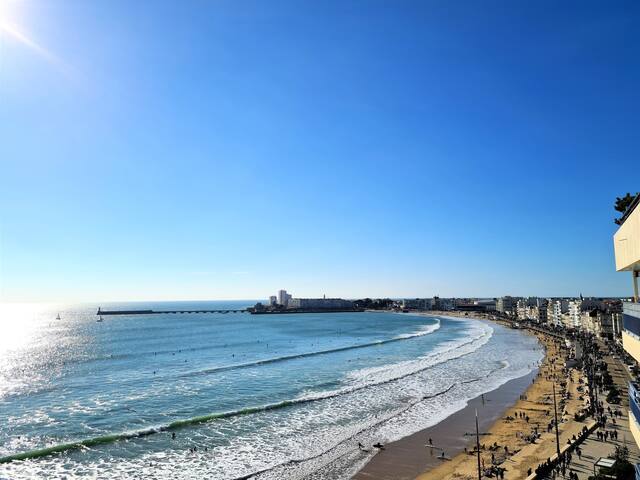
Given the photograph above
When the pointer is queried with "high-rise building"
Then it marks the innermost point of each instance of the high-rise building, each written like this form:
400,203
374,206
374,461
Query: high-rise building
283,298
626,244
556,310
575,309
522,309
506,305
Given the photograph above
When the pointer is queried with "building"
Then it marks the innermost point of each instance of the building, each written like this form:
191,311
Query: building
598,321
273,300
541,313
489,304
626,245
283,298
532,301
574,309
522,309
447,304
319,303
557,310
506,305
417,303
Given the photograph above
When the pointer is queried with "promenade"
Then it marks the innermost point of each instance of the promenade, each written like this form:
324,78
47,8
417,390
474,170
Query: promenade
574,399
592,448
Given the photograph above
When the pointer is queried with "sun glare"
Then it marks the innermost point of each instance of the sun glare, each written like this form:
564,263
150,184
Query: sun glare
7,11
10,28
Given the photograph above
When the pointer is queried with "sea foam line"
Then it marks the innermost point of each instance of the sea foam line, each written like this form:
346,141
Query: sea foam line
427,329
368,427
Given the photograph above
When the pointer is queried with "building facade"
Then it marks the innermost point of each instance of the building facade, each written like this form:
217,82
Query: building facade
319,303
417,303
506,305
283,298
557,310
626,244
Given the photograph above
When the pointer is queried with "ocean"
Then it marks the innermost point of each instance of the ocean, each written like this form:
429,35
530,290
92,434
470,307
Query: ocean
247,396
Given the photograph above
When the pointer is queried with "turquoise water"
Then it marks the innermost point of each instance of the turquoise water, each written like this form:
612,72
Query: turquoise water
277,396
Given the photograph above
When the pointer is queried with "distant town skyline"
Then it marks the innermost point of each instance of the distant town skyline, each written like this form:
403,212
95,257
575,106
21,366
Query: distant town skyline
154,152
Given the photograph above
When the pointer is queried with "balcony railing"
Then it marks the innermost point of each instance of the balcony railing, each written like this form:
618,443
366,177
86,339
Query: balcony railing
634,401
631,308
631,317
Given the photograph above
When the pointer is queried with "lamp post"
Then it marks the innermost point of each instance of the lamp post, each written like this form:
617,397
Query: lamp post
555,414
478,446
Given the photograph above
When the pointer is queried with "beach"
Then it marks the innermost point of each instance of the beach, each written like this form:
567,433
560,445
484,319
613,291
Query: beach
409,457
515,410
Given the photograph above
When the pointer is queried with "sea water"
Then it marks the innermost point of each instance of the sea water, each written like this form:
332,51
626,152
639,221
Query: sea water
264,396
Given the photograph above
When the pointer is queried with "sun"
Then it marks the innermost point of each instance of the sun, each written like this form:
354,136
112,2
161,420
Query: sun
10,28
8,15
7,11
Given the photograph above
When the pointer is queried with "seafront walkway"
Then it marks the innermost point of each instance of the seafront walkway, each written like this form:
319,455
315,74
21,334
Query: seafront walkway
592,448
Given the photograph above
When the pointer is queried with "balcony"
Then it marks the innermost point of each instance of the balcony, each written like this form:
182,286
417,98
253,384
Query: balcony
634,402
631,319
631,309
626,241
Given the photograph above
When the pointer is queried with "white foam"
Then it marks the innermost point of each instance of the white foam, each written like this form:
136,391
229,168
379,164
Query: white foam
423,330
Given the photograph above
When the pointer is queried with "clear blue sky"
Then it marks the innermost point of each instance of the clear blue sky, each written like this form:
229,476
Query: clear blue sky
225,149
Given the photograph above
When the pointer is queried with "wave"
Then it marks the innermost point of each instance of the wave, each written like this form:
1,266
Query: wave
475,333
112,438
425,330
368,427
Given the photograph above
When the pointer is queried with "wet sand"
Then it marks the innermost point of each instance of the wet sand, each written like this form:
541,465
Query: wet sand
499,419
523,457
409,457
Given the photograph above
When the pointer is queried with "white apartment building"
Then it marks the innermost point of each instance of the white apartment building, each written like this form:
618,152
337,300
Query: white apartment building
555,310
283,298
574,309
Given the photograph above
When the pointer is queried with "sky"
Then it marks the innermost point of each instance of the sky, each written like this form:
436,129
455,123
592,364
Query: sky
171,150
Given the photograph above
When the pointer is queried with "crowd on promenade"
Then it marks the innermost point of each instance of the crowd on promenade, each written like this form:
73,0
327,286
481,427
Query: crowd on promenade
588,378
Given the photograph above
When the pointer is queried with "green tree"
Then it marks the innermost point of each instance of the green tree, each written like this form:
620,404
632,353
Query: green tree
621,453
622,203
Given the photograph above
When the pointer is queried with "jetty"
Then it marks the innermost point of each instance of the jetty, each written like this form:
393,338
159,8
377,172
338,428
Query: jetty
162,312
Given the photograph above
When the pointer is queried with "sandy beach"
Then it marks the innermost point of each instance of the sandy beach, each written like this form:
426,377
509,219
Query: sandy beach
517,409
407,458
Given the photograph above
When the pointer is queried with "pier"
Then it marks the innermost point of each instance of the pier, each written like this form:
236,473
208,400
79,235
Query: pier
161,312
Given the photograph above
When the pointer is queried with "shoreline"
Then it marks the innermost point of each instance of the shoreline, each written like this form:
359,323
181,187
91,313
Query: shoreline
409,457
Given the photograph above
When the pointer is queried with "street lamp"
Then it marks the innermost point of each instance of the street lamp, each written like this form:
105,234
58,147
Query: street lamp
555,413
